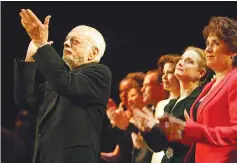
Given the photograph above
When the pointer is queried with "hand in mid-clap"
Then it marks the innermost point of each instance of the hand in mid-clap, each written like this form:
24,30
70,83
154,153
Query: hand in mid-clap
32,49
137,140
37,31
172,126
121,119
111,108
144,119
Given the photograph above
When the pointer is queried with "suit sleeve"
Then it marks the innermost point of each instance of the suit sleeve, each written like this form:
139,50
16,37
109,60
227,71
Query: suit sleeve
25,91
219,136
87,84
156,139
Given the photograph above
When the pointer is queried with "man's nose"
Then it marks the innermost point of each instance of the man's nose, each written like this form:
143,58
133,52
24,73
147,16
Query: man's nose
67,43
164,76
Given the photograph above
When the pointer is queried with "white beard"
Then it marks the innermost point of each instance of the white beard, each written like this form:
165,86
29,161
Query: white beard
72,62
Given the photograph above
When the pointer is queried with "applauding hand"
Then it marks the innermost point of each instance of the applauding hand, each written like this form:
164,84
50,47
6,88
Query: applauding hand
37,31
173,127
144,119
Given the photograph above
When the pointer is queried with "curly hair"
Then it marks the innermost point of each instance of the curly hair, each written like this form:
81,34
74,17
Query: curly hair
137,77
225,29
167,58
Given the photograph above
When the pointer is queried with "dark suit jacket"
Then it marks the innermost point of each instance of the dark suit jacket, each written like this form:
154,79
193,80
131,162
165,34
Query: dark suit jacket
156,139
71,106
128,153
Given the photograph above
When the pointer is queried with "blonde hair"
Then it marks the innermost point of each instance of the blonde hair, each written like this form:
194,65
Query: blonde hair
202,64
201,53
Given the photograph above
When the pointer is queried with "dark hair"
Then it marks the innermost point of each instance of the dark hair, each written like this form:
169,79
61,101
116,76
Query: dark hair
137,78
167,58
225,29
157,73
207,77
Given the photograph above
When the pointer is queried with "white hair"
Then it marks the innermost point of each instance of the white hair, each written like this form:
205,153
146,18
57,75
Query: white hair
95,37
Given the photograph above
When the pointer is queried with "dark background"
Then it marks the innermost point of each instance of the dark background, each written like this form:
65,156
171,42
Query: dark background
137,33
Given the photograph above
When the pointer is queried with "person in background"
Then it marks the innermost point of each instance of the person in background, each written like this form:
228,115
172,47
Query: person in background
212,126
166,65
25,131
152,89
14,150
122,152
190,71
140,153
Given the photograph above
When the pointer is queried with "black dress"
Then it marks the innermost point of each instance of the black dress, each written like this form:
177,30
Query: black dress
156,139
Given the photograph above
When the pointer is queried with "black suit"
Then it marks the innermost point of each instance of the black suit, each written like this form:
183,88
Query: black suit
71,106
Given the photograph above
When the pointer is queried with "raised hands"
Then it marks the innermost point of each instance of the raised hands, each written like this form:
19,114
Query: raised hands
137,140
121,119
32,49
144,119
37,31
173,127
117,116
111,108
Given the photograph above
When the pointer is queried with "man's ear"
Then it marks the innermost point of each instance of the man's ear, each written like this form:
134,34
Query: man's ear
93,54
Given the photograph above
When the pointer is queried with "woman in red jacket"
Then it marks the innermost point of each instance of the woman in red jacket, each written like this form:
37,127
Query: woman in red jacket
212,126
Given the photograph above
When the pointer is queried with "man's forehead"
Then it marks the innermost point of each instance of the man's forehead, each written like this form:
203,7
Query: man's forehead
150,78
77,33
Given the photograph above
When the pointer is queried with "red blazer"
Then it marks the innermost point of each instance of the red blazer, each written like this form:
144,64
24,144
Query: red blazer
215,131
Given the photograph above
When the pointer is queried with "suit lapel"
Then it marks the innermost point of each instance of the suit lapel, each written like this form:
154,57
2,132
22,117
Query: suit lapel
213,92
204,91
170,105
51,104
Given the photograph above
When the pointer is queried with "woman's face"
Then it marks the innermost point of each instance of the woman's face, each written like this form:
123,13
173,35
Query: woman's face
170,82
218,55
187,69
135,99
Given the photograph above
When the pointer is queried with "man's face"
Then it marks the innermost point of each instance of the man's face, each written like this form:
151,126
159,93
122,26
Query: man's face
151,89
77,48
124,87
